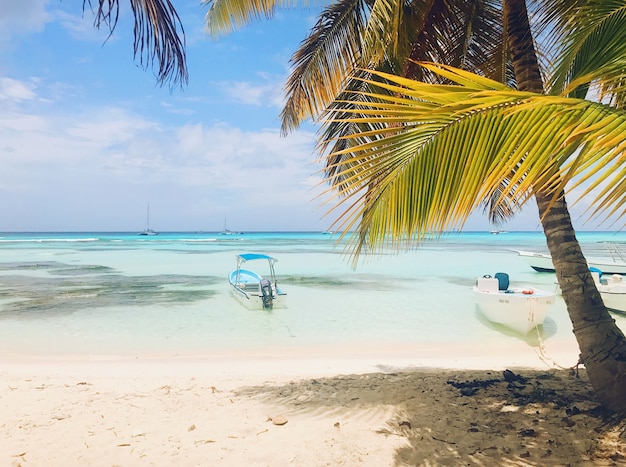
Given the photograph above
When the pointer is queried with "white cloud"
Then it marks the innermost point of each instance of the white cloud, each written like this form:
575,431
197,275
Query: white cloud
21,18
266,94
70,156
14,90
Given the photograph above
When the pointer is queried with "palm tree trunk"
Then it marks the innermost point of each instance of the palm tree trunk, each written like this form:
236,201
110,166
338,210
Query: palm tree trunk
602,344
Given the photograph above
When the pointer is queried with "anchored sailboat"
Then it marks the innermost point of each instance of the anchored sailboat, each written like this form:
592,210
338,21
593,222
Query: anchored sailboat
226,231
148,230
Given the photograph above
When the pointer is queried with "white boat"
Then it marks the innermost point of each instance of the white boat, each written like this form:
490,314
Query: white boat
226,231
148,230
542,262
518,308
613,291
254,290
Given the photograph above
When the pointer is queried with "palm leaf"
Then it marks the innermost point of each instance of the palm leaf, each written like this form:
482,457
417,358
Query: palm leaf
324,59
589,37
159,35
435,153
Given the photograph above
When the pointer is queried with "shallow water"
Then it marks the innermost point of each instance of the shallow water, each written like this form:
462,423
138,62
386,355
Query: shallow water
123,294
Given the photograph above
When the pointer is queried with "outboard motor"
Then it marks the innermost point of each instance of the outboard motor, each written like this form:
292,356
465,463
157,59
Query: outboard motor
266,293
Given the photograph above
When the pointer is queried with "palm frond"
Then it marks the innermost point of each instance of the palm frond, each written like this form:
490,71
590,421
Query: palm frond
435,153
590,37
323,61
467,35
159,35
224,16
383,35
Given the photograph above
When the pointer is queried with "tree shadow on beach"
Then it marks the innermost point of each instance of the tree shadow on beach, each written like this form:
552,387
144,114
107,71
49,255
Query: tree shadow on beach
481,418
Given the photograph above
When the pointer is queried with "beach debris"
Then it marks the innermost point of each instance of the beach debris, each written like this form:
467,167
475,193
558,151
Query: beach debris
573,410
511,377
406,424
337,425
530,432
191,428
470,388
469,391
61,416
204,441
443,440
277,420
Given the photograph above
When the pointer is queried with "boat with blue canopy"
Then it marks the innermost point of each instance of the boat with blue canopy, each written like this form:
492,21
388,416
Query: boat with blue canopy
253,289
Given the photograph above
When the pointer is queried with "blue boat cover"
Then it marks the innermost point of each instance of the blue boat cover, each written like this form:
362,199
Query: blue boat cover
251,256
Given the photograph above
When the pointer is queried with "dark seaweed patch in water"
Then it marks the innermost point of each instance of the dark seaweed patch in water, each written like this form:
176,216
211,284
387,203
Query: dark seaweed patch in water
36,296
81,270
31,266
54,267
315,281
357,281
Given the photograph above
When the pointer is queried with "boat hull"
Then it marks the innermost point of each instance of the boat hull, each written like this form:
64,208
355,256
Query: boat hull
244,286
254,301
517,308
613,293
542,262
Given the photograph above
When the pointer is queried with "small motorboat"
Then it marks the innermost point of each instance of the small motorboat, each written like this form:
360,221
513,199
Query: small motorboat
254,290
542,262
518,308
612,290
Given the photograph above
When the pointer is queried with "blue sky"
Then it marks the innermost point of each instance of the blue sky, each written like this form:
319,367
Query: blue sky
88,139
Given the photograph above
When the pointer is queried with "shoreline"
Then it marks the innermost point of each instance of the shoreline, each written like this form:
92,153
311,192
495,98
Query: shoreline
306,361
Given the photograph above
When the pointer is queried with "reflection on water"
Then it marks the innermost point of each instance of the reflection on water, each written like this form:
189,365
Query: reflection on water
534,338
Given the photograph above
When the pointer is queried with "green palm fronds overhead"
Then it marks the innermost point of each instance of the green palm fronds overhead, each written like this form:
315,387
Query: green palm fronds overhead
432,154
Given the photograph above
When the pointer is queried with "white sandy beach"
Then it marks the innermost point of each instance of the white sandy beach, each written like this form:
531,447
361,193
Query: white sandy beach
422,406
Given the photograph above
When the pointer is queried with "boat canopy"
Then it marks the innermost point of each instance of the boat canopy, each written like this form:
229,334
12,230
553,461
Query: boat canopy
251,256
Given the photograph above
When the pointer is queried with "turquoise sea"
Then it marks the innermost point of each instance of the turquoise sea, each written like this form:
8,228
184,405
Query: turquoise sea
93,293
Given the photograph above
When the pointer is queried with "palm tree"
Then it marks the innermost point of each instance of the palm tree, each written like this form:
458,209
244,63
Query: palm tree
394,193
396,180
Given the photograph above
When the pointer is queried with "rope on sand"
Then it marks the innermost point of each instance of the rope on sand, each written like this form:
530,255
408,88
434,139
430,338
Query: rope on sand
543,355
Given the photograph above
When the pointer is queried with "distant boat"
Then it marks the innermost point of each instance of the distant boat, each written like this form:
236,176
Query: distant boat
542,262
518,308
229,232
226,231
148,230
